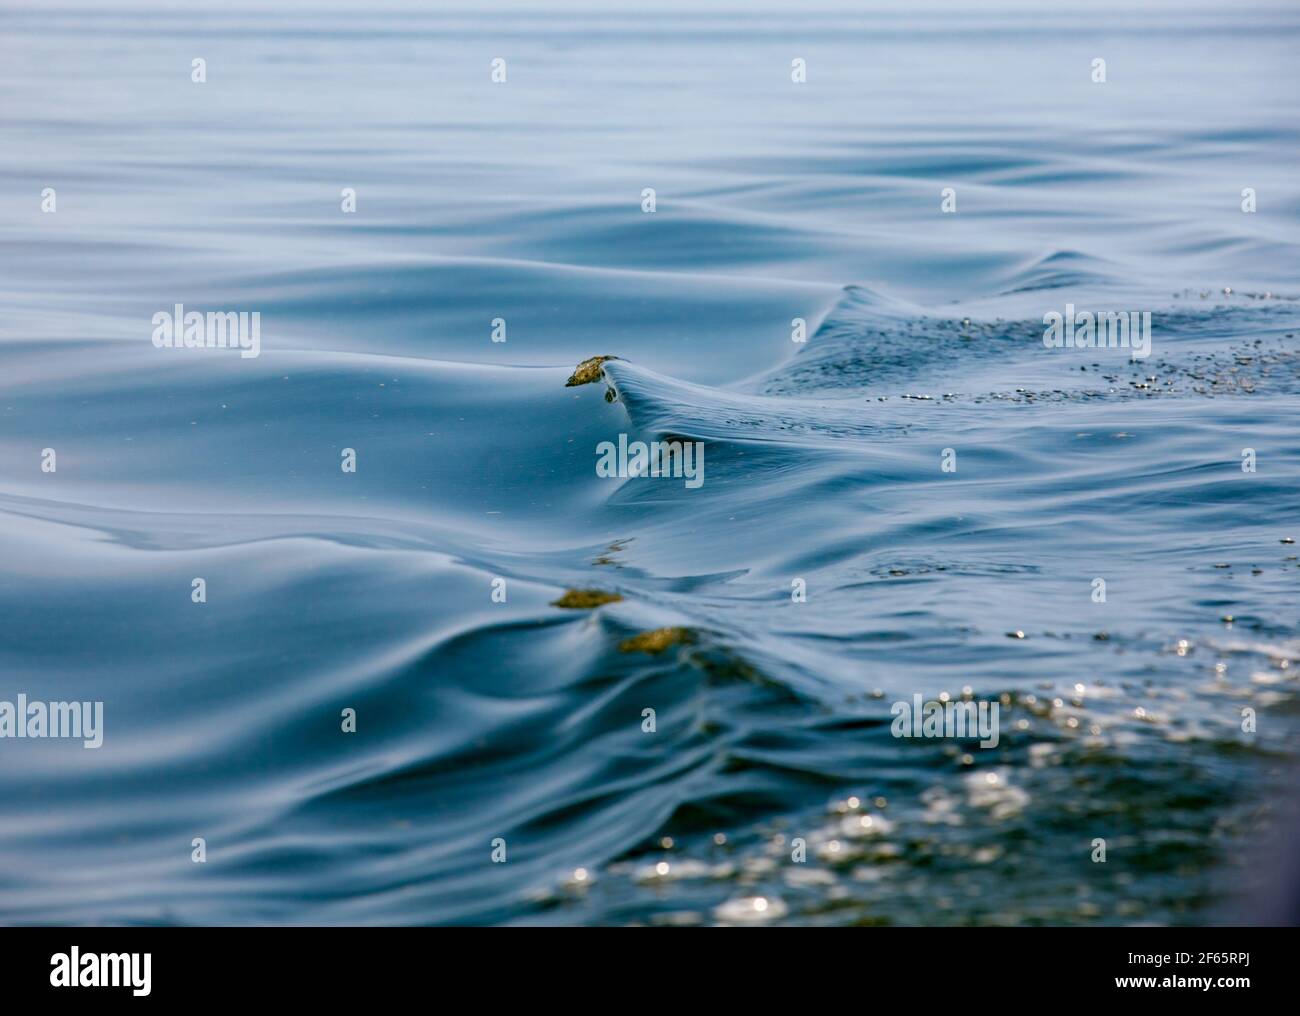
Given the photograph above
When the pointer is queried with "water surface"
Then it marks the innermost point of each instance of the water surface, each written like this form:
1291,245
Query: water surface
521,720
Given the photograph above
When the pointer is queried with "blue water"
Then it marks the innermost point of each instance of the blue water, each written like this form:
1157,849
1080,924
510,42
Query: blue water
522,721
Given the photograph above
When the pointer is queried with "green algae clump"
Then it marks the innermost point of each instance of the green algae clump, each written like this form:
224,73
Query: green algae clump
585,599
657,641
587,372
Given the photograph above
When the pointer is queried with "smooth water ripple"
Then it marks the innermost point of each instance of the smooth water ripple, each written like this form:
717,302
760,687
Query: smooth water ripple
523,720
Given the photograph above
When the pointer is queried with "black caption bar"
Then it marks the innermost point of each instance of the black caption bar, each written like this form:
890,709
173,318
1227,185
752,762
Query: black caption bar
143,966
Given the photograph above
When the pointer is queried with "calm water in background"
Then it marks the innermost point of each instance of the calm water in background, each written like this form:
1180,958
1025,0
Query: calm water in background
521,720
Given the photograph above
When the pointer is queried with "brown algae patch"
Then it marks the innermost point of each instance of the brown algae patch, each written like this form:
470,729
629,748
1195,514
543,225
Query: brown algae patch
657,641
585,599
587,372
617,547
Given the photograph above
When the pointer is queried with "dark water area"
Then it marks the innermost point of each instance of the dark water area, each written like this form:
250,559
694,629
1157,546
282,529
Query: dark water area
919,499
